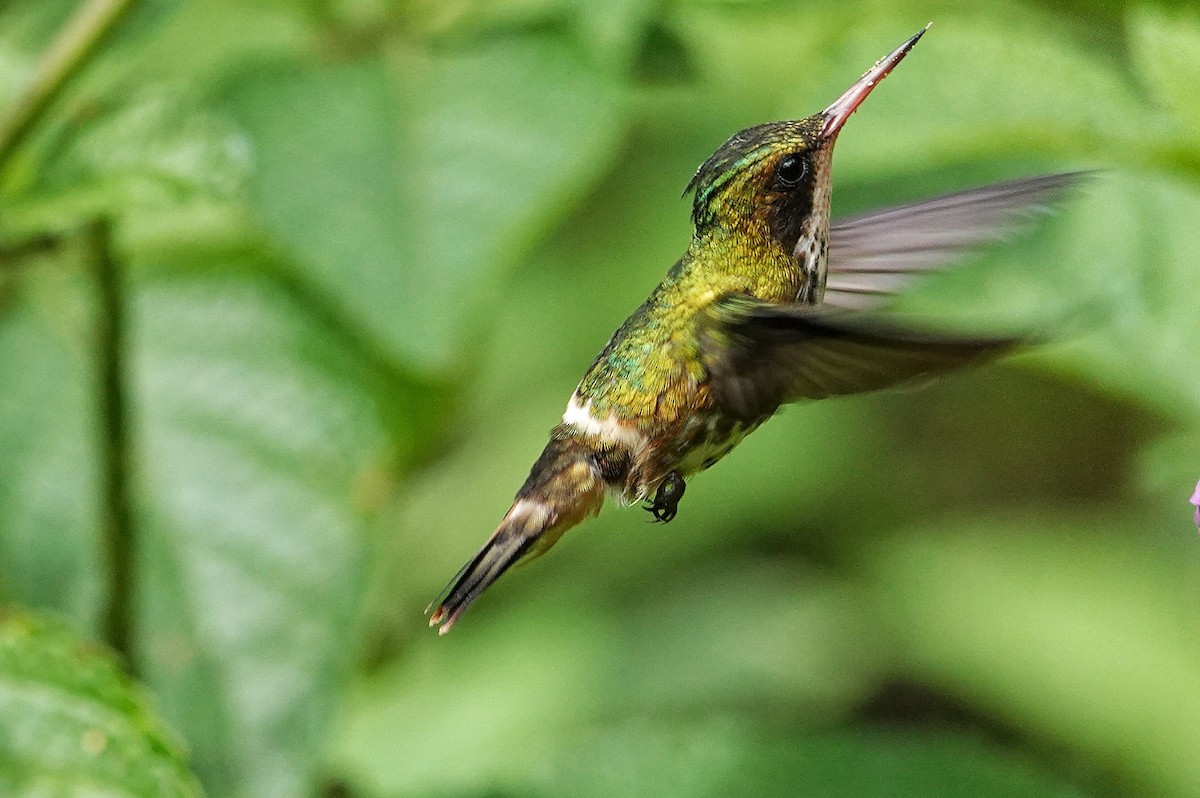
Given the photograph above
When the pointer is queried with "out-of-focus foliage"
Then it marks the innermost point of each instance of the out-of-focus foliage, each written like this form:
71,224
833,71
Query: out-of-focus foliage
369,246
72,724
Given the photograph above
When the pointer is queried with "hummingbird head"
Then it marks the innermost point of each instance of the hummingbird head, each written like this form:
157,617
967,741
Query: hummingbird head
771,173
776,177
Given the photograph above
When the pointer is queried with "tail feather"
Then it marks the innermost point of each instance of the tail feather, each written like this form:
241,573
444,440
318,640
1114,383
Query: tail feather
502,551
563,488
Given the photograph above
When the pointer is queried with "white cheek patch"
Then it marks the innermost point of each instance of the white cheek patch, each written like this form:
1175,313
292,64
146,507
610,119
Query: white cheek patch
609,429
811,248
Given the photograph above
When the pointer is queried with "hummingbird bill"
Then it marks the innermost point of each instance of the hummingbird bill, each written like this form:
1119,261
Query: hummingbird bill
771,303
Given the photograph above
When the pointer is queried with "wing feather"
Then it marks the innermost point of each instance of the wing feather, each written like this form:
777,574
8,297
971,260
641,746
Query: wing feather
875,255
759,355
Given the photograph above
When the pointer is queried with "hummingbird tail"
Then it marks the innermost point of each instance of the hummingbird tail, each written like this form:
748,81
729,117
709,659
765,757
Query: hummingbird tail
564,487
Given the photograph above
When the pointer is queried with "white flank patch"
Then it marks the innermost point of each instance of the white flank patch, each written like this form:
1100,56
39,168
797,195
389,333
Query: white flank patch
611,429
533,513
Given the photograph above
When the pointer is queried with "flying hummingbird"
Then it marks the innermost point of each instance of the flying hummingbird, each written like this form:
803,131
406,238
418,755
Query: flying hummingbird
770,304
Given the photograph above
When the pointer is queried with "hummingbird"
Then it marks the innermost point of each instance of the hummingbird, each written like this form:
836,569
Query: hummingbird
770,304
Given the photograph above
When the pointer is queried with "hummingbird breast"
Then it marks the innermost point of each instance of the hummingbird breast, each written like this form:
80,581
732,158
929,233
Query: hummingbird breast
645,399
650,419
705,440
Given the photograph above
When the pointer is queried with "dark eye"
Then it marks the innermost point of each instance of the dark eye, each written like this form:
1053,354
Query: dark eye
791,170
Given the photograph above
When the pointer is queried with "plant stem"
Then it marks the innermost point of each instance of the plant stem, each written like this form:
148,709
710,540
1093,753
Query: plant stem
75,42
117,527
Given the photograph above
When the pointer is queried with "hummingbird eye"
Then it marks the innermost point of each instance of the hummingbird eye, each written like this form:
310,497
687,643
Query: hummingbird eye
791,170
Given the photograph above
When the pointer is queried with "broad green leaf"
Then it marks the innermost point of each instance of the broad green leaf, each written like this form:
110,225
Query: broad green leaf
72,725
1061,629
49,472
193,44
263,453
1166,50
398,172
750,60
403,186
608,30
26,27
1145,342
145,154
136,136
152,152
264,443
467,19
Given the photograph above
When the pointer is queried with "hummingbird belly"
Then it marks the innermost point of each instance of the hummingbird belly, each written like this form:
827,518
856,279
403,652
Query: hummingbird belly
694,443
705,440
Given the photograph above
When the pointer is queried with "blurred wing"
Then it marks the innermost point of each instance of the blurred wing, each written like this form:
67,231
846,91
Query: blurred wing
874,255
761,355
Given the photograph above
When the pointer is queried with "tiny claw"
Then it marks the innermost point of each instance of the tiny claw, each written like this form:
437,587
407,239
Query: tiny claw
665,506
661,515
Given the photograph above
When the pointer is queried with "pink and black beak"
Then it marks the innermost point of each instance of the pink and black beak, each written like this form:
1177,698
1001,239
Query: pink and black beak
839,111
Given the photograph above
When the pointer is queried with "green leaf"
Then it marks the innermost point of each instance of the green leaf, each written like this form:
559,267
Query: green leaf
263,453
1166,50
148,153
49,471
1062,628
1167,471
143,149
71,724
26,28
145,155
403,187
612,29
1142,234
265,443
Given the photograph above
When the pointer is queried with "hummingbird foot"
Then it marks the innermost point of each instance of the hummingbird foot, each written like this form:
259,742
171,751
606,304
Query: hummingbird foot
666,498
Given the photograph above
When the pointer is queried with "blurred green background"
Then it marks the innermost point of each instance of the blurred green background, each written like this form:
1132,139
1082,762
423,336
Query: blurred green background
365,250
